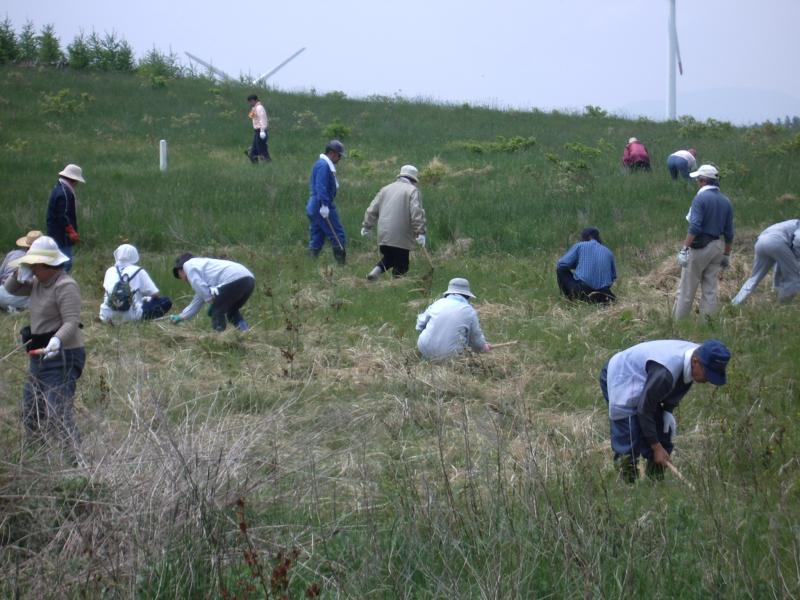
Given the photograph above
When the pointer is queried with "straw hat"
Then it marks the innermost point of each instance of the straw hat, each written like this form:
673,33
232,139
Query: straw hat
43,251
459,285
73,172
30,237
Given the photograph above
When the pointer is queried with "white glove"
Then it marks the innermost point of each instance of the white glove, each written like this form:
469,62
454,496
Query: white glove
421,239
726,261
324,211
263,135
53,348
670,425
24,274
364,232
683,257
214,291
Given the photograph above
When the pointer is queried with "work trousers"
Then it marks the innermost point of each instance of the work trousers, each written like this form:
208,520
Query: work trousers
318,230
772,250
69,252
259,147
705,265
10,301
678,166
395,259
575,289
228,302
48,394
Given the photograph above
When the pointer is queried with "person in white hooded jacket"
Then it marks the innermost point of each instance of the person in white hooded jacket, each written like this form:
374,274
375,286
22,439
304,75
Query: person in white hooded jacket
145,299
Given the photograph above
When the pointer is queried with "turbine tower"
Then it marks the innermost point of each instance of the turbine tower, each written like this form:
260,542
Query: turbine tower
674,60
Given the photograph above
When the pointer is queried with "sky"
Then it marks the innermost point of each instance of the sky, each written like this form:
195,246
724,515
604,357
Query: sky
741,58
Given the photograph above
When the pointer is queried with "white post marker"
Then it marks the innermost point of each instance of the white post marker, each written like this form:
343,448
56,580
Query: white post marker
162,156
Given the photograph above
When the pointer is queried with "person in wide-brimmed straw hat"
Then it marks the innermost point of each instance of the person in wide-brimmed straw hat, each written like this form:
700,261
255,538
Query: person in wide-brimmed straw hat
397,211
62,218
450,324
55,338
8,301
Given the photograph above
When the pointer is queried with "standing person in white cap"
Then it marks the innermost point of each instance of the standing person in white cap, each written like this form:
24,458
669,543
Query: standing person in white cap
398,211
777,246
450,324
635,156
62,218
53,340
8,301
704,254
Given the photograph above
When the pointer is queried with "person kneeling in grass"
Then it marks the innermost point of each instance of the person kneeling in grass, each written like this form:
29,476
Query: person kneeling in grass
450,324
129,292
225,284
643,385
595,270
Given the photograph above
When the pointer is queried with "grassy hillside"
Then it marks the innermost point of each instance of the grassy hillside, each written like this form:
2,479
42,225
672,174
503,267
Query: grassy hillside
319,437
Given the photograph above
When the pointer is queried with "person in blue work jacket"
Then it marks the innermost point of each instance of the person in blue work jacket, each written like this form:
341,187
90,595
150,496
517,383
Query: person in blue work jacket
594,266
643,386
321,209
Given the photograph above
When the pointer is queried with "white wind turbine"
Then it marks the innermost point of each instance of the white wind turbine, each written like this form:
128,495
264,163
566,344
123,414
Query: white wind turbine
223,76
674,60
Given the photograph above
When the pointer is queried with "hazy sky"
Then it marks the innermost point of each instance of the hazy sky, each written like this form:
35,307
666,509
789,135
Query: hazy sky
556,54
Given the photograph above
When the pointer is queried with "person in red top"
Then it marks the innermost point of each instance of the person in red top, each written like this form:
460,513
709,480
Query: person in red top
635,157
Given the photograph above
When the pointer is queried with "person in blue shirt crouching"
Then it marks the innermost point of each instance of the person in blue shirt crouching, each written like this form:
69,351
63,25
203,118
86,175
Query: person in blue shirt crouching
587,270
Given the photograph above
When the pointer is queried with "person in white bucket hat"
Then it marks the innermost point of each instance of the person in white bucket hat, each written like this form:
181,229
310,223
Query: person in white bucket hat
8,301
53,341
397,210
62,218
450,324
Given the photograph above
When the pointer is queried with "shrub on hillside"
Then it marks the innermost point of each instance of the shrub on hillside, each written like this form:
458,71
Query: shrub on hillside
689,127
64,102
337,130
595,111
500,145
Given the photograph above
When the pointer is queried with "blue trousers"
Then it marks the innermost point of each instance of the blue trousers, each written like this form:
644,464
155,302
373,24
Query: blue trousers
48,394
676,166
318,230
626,434
259,146
67,250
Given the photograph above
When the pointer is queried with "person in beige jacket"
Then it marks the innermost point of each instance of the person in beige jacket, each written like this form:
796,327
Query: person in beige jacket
398,211
53,341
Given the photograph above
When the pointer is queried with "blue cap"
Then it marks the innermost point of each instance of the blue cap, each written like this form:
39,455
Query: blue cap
715,356
336,146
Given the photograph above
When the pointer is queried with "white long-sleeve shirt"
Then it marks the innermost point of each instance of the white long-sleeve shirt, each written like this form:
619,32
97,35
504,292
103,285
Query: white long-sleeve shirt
206,273
447,326
141,286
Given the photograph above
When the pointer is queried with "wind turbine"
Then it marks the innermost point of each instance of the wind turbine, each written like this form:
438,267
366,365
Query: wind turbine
674,60
269,74
218,72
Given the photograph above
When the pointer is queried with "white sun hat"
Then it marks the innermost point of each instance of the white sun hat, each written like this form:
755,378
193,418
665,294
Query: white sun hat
73,172
459,285
43,251
409,171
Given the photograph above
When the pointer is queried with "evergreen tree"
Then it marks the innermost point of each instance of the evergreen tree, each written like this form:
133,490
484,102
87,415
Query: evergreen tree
9,51
49,47
28,46
79,55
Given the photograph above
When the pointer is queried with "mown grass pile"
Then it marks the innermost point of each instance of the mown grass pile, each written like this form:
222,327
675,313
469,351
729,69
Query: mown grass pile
316,455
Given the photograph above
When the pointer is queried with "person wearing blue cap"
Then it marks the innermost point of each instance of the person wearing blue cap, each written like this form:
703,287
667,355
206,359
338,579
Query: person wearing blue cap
595,270
643,385
323,218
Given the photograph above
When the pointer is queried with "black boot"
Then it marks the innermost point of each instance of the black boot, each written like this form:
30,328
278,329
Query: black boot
654,471
627,468
340,255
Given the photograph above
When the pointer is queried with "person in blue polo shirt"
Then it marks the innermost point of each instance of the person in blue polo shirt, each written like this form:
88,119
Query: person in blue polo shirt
321,210
593,266
643,386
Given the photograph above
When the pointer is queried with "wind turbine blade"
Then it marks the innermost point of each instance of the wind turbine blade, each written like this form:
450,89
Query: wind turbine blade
269,74
218,72
677,48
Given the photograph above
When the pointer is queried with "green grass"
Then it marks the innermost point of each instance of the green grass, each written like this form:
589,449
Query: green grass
490,477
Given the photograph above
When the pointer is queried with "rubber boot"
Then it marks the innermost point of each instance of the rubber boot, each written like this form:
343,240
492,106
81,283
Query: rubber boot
374,274
314,252
242,325
654,471
627,468
340,254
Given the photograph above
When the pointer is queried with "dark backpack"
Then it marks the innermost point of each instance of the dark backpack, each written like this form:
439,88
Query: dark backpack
121,296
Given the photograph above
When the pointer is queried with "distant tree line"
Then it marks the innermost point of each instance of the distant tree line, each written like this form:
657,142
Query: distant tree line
91,52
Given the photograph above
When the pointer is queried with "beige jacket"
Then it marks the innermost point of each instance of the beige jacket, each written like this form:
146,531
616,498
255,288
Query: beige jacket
54,306
398,211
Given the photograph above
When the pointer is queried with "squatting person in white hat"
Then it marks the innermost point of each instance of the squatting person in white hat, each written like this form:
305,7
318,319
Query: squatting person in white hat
225,284
129,294
54,334
8,301
643,386
397,210
777,246
450,324
62,217
704,255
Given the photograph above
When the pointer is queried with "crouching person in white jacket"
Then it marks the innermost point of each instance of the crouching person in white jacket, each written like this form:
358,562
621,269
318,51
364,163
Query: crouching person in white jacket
129,292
